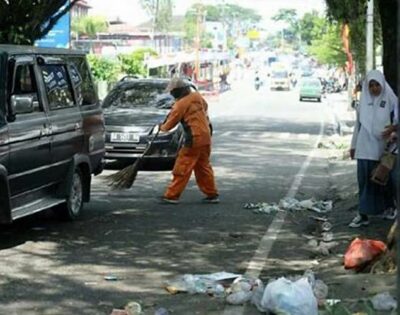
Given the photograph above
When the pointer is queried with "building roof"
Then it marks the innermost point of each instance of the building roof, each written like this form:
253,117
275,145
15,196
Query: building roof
83,3
122,28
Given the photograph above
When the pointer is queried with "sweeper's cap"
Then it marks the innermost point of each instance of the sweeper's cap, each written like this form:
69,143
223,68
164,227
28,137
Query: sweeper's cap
177,83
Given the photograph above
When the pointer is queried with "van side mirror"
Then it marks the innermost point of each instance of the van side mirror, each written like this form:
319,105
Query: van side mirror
22,104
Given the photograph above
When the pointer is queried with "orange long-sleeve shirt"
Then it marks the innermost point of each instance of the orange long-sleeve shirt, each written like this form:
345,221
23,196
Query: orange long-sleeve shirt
191,111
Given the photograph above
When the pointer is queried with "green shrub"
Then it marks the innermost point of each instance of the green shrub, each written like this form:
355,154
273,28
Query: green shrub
133,63
103,69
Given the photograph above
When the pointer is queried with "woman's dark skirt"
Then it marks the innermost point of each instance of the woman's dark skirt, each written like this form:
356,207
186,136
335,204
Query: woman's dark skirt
373,198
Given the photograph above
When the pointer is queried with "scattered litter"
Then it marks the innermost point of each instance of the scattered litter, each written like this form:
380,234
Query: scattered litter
331,145
318,218
360,252
384,302
290,297
161,311
258,292
119,312
262,207
298,295
111,278
204,283
320,290
90,283
291,204
332,302
326,226
241,290
323,248
327,236
133,308
108,233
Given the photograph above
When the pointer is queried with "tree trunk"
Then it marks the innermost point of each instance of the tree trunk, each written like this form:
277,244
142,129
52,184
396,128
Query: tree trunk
389,18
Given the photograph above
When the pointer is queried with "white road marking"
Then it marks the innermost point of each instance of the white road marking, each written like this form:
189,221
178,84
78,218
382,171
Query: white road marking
284,135
260,257
303,136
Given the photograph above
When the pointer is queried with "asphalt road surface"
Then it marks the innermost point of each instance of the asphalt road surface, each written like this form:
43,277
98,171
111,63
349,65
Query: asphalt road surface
264,149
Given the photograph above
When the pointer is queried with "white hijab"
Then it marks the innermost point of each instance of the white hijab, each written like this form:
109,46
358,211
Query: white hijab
375,111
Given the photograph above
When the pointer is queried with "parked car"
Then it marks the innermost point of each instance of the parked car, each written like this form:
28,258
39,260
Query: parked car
310,88
132,110
51,131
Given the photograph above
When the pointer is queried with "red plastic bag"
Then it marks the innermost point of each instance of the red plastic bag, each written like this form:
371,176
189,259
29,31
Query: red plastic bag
362,251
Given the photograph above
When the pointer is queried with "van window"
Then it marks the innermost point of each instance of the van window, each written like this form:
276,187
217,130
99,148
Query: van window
24,84
80,76
58,86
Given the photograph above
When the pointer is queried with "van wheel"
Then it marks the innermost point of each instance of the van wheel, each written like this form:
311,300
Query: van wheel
72,208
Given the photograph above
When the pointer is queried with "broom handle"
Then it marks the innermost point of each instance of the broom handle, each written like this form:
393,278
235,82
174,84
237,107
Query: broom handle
150,144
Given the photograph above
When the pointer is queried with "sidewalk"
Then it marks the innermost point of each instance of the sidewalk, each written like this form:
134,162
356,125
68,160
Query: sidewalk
344,115
348,286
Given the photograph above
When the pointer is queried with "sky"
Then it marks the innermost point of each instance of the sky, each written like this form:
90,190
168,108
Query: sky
130,10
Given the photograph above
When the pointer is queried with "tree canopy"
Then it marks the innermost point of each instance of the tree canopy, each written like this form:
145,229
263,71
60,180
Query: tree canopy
160,11
232,16
89,26
354,13
25,21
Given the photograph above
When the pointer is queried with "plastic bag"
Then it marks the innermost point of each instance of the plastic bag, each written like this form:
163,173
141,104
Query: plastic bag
361,252
283,296
240,292
384,302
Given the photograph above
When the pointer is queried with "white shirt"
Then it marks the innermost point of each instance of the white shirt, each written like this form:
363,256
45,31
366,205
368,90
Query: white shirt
370,146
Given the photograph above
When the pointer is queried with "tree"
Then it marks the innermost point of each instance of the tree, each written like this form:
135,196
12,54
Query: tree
312,27
234,17
160,12
25,21
353,12
289,16
328,48
89,26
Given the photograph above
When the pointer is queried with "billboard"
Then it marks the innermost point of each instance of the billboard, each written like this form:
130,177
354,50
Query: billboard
59,36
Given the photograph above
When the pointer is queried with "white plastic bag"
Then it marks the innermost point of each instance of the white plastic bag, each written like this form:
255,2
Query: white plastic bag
283,296
384,302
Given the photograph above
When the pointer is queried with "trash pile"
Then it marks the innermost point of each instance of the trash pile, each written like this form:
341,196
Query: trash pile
300,295
134,308
290,204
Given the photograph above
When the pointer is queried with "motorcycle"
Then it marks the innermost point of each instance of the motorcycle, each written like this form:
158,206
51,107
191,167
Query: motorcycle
257,83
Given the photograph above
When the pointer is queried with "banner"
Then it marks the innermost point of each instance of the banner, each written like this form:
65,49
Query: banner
59,36
346,45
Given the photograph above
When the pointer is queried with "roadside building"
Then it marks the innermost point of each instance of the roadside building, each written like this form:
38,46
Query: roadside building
80,9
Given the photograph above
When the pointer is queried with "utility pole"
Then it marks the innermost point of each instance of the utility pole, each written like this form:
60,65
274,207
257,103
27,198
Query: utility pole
370,37
198,40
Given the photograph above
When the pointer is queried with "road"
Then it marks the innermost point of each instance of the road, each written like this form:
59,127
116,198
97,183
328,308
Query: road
264,149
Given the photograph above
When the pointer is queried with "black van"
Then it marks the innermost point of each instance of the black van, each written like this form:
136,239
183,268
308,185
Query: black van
51,131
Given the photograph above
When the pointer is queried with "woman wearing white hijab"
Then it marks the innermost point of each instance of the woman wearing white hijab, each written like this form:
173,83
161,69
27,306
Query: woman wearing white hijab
377,110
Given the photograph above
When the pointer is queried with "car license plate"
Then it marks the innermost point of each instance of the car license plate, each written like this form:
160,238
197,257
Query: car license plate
124,137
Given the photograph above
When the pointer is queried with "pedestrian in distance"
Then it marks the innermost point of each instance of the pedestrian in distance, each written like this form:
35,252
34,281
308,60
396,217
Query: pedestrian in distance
191,110
377,118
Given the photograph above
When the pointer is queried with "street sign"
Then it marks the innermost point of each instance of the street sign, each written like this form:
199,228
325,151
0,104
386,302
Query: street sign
59,36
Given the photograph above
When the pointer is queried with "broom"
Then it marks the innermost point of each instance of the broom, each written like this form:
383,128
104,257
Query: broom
125,178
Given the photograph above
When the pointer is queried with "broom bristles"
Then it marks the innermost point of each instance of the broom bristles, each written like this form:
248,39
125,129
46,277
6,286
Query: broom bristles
124,178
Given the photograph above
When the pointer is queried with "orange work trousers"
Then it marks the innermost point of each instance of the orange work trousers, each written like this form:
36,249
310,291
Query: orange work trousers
189,159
